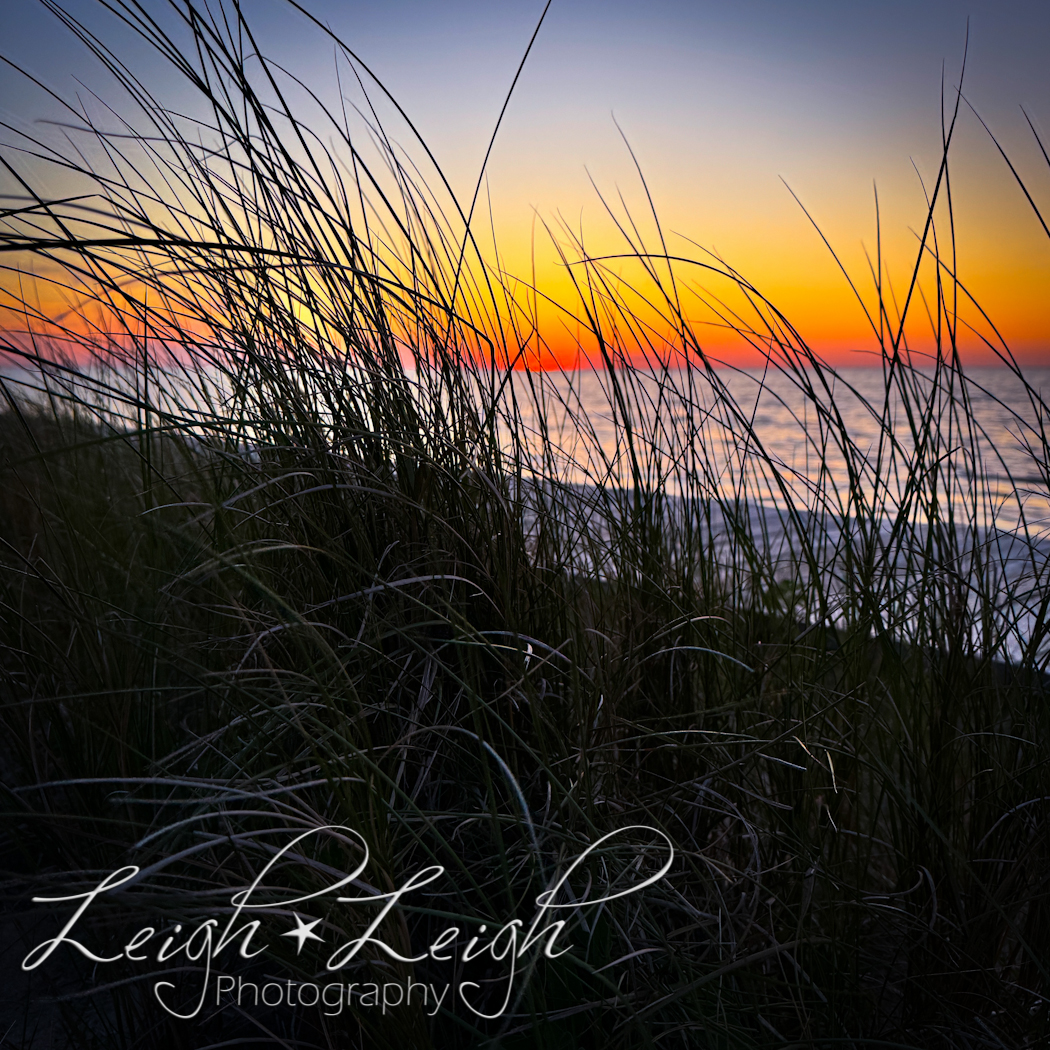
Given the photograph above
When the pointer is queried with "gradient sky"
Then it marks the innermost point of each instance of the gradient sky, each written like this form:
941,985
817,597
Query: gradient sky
722,104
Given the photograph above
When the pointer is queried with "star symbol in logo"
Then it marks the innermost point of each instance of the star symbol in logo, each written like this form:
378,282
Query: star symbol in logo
304,931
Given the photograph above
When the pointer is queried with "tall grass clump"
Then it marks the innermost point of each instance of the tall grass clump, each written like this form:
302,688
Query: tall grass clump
289,543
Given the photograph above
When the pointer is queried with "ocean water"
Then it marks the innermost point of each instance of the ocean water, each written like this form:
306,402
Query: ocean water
769,437
844,456
990,431
856,465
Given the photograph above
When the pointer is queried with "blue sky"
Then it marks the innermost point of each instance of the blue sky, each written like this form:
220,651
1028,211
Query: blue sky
722,104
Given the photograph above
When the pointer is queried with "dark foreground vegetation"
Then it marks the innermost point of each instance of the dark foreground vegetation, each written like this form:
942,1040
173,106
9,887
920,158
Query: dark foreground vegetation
285,546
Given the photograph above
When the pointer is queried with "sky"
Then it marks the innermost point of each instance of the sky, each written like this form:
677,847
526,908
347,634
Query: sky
732,111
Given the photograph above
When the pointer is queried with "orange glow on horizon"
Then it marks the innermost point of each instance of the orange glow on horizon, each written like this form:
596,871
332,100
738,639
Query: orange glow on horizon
547,321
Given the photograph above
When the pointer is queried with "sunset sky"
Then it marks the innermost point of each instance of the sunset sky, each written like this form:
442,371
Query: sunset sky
722,104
